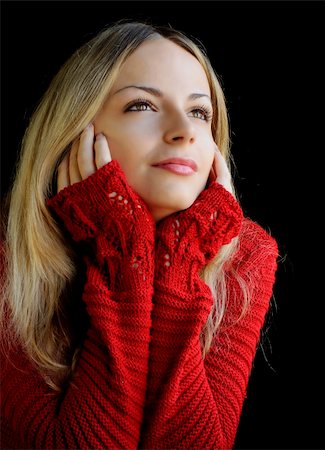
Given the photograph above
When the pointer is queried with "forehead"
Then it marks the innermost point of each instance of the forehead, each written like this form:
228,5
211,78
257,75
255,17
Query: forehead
164,63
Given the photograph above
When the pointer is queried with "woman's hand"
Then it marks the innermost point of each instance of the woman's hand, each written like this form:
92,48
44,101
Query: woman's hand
220,172
98,207
93,194
85,157
194,236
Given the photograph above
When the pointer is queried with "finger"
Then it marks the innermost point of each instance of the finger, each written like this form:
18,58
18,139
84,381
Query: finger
213,172
214,165
222,171
102,153
63,179
85,156
74,173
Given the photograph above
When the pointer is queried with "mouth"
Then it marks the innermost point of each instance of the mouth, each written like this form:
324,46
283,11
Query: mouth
179,166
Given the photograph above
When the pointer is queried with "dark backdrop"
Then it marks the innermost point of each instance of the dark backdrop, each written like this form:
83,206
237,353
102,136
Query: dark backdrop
270,57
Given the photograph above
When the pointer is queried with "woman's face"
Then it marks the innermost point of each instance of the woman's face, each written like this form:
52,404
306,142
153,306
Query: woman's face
157,121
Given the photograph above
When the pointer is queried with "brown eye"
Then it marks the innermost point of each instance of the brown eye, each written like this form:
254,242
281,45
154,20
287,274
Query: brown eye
139,105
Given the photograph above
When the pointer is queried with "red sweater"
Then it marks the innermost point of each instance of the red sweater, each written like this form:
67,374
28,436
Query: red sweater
140,380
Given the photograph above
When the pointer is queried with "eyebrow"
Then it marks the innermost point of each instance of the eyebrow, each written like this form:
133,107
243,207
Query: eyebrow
158,93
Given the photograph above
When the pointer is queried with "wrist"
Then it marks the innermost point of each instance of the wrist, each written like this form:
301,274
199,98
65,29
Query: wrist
212,203
194,236
129,265
88,208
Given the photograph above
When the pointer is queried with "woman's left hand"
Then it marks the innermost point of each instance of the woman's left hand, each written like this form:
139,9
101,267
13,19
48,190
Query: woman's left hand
220,172
198,232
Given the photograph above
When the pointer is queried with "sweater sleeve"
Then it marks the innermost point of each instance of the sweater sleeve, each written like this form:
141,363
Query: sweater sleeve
228,365
194,402
102,407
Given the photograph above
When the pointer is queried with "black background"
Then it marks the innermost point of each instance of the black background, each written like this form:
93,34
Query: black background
270,57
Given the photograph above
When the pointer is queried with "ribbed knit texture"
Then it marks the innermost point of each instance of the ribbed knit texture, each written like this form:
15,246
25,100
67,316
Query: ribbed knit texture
103,407
194,403
140,381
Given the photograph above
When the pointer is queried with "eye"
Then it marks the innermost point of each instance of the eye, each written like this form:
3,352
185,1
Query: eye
140,104
202,113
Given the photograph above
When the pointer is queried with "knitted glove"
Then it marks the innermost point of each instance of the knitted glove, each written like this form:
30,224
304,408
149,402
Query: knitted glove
189,240
103,210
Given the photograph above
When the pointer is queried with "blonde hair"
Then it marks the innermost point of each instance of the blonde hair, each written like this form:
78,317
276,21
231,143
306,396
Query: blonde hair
39,260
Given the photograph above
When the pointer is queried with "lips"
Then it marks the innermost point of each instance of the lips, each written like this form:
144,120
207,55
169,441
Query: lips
180,166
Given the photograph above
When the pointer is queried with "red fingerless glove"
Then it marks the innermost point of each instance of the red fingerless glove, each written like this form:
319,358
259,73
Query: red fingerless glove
104,210
188,240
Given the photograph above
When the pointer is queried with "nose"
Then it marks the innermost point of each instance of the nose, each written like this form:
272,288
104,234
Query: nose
179,129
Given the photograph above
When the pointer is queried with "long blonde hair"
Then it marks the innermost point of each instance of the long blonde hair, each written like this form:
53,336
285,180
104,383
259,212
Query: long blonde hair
39,260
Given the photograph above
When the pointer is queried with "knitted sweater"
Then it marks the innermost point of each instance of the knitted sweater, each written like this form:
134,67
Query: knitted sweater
140,380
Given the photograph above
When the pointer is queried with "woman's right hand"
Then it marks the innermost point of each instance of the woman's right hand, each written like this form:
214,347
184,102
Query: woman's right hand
93,188
85,157
96,204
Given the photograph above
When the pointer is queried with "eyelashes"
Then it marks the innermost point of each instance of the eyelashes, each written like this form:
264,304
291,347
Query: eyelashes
205,111
140,104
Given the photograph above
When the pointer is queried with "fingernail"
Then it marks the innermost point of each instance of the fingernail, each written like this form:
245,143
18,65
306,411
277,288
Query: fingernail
99,135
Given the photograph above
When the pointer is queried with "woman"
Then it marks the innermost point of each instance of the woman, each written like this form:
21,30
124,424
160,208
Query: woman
134,291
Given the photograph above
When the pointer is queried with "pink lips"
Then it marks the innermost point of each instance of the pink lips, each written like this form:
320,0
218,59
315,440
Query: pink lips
180,166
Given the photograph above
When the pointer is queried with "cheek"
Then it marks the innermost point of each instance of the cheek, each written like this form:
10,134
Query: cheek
208,153
123,151
209,161
124,138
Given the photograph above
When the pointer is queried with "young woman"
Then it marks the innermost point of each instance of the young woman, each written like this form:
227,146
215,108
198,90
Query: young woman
134,290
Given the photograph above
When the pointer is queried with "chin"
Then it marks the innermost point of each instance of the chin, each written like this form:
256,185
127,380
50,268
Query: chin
160,210
180,199
184,204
